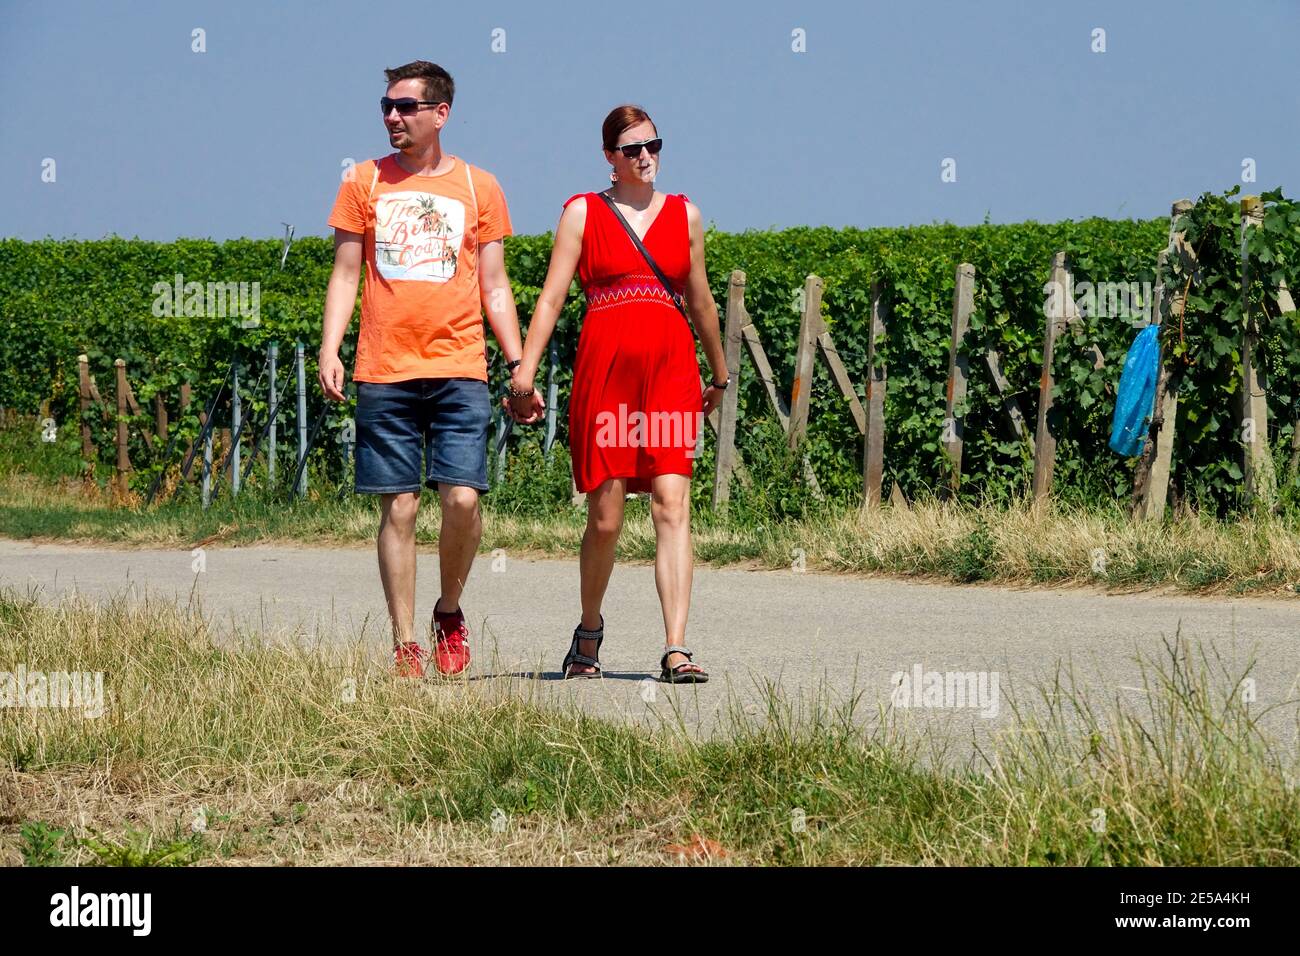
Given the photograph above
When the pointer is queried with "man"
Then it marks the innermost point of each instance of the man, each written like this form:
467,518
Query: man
429,228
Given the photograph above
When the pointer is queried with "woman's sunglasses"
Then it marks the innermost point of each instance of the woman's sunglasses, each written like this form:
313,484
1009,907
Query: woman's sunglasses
633,150
406,105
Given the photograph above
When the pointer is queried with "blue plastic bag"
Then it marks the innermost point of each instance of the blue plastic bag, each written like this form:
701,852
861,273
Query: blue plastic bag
1137,393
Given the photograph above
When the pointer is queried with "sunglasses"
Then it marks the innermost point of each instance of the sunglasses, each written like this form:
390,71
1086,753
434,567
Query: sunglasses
406,105
652,146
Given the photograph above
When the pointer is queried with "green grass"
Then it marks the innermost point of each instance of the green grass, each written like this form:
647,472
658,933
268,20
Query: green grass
290,770
41,844
44,845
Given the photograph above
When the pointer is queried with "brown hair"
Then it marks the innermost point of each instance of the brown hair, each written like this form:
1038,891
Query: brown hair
438,84
618,120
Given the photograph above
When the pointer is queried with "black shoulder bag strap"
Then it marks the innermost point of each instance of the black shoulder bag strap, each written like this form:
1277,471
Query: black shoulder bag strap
654,266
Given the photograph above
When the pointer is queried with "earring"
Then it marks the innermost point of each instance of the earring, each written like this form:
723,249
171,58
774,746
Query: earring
613,177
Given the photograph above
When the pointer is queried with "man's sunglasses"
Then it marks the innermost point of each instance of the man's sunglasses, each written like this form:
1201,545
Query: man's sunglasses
652,146
406,105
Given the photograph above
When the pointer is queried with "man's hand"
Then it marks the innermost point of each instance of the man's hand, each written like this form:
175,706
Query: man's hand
330,373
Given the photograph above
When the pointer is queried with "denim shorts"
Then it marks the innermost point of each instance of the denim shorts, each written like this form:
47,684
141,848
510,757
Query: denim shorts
422,432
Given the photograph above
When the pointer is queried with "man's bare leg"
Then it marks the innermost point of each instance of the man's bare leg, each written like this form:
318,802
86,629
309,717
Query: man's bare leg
397,560
458,540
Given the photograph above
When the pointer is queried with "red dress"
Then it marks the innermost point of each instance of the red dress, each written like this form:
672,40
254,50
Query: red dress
636,408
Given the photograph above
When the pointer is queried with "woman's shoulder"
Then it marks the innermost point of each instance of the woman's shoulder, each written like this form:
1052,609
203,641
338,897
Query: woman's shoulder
573,219
691,210
575,208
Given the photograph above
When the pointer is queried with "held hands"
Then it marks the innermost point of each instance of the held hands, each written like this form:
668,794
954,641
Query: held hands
526,409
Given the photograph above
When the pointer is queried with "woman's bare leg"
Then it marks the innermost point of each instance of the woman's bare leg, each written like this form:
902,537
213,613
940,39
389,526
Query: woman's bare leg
596,563
670,509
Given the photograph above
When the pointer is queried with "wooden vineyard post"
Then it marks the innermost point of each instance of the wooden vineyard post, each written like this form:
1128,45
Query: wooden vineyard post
873,450
814,338
133,407
1285,303
88,454
993,359
1044,440
840,379
160,418
754,345
810,326
896,497
1261,483
726,460
185,404
123,466
843,383
963,304
1151,482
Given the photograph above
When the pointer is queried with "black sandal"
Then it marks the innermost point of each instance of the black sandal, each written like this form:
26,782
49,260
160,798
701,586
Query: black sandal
574,657
676,675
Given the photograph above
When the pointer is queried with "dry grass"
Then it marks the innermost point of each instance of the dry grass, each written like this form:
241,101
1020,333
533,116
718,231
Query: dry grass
289,763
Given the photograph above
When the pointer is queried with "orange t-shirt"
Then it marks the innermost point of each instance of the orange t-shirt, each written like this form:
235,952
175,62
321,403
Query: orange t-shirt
421,312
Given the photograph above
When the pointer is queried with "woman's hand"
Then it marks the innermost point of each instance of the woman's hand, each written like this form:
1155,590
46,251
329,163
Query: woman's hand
712,398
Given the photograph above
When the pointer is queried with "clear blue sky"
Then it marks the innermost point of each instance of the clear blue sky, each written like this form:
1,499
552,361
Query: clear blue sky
154,140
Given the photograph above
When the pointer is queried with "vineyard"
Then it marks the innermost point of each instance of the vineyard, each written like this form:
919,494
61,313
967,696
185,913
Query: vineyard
61,299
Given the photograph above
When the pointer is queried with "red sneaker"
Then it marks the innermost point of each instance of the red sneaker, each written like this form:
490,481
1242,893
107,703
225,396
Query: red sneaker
408,659
451,647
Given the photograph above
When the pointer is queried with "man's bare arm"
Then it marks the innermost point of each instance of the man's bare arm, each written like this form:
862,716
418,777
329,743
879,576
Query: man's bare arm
498,298
340,300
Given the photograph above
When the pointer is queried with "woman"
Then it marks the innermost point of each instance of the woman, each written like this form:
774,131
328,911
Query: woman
636,408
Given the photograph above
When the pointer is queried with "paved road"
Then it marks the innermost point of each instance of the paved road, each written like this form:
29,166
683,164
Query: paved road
808,633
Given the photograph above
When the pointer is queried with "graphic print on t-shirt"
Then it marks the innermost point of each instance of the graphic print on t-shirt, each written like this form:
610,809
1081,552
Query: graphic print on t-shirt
418,235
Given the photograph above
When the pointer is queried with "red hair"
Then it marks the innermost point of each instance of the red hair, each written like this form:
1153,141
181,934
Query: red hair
619,119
